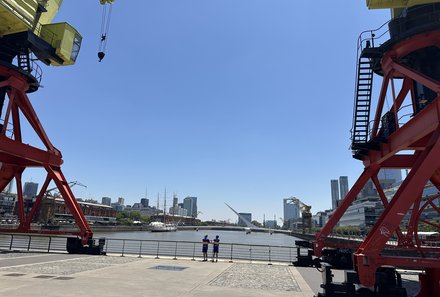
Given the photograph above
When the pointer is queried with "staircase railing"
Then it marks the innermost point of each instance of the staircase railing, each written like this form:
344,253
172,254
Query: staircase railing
369,39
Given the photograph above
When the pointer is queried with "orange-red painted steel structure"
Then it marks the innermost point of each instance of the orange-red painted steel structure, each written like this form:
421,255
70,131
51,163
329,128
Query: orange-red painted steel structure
414,145
16,156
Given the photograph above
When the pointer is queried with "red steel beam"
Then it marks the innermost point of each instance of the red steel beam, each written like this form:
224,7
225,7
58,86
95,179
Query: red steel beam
367,255
343,206
16,156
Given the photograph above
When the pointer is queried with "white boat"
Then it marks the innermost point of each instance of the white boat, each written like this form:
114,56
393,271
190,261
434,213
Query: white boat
162,227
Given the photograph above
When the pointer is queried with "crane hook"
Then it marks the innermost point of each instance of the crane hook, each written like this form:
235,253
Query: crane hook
105,25
101,56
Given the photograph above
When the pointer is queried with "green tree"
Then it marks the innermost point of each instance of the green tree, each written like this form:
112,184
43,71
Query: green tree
135,215
257,224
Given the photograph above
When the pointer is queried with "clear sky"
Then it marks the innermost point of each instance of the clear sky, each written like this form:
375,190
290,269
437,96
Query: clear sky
239,101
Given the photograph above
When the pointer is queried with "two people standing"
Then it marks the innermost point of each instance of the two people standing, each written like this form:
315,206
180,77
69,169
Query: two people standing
215,244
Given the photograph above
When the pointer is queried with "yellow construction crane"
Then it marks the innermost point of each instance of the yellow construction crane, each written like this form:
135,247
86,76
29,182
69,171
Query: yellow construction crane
306,214
26,26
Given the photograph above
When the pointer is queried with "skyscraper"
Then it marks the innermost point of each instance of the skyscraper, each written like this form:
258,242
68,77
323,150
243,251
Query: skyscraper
190,204
30,190
335,192
145,202
106,201
175,200
388,177
343,186
121,201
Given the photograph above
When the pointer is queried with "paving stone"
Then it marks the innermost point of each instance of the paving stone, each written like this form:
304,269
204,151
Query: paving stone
67,267
257,276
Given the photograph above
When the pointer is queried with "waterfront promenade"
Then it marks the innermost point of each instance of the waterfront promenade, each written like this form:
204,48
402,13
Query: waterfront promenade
42,274
60,274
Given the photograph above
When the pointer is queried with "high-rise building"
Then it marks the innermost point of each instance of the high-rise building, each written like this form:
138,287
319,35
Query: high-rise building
335,192
106,201
178,211
145,202
30,190
291,211
175,200
388,177
245,215
190,204
121,201
343,186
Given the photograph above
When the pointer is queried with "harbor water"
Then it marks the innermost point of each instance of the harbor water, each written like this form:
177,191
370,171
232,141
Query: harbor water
226,237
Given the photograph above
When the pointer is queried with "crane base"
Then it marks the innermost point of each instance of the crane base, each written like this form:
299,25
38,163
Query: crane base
388,284
74,246
338,258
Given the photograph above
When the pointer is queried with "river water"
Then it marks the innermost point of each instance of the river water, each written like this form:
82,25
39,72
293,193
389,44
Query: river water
239,237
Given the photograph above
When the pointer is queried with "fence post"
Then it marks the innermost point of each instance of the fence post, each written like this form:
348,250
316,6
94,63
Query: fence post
290,257
270,262
50,241
123,247
12,240
250,253
29,243
232,248
194,252
140,250
157,253
175,252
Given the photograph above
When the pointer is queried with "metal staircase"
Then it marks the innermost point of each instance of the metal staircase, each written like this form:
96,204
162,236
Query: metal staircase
361,113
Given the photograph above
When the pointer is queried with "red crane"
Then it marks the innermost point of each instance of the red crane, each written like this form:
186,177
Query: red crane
409,64
28,34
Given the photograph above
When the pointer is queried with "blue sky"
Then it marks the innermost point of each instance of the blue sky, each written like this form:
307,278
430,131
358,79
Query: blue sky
245,102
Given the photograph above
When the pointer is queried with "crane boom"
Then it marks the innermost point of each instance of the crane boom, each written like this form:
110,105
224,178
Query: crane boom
306,214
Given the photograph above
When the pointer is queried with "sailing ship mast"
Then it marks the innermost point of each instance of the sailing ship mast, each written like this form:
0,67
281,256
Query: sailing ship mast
165,206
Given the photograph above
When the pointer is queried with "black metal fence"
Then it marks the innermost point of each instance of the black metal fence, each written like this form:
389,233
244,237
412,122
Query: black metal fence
154,248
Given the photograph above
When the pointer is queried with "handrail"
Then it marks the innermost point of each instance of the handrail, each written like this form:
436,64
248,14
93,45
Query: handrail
154,248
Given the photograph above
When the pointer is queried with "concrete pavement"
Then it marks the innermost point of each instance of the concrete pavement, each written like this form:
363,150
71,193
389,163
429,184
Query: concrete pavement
34,274
59,274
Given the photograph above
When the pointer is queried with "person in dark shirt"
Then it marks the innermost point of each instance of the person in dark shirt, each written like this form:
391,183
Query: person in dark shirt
215,243
205,242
